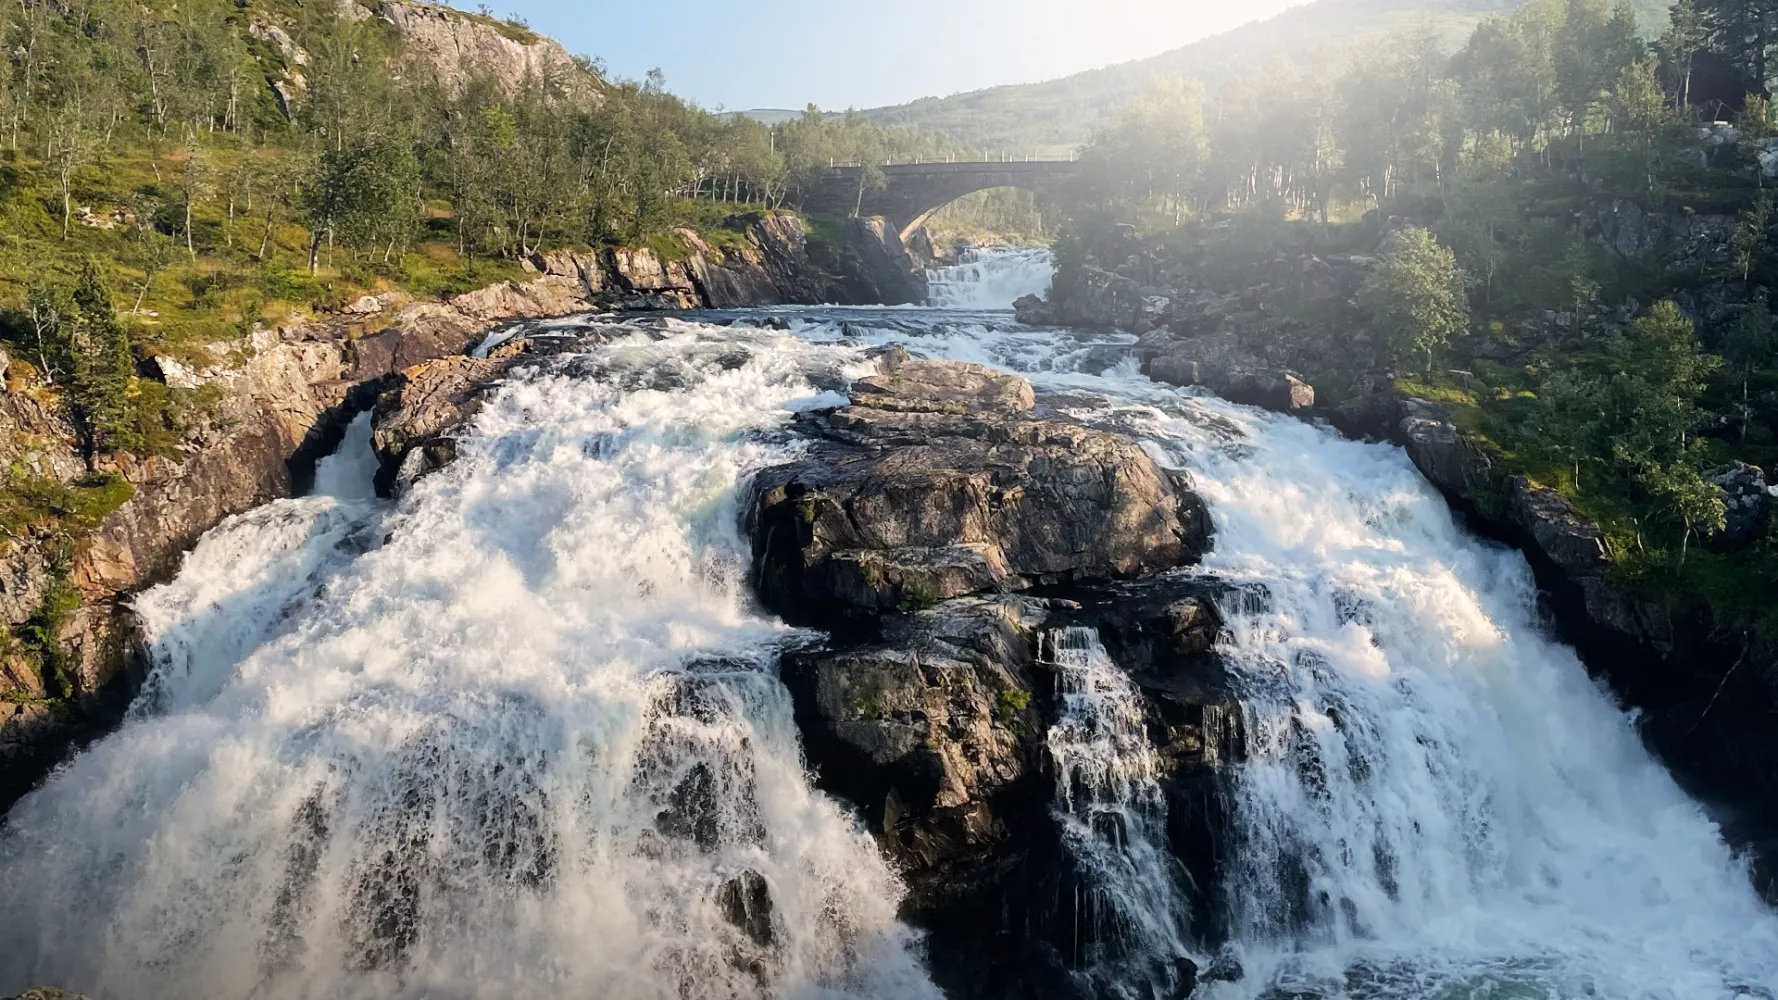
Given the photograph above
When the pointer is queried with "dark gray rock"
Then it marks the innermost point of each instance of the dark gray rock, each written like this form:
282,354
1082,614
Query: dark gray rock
1442,453
940,482
1747,502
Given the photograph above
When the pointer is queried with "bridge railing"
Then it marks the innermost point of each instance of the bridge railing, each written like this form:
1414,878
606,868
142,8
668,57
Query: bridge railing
1005,156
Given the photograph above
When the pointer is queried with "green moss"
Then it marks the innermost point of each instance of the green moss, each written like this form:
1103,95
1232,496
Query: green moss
1008,704
916,595
29,501
865,699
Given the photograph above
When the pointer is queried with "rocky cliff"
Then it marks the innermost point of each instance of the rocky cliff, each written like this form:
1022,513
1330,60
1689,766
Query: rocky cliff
454,46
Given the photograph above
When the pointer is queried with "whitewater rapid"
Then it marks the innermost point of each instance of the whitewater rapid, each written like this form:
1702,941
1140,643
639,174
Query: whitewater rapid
990,278
520,732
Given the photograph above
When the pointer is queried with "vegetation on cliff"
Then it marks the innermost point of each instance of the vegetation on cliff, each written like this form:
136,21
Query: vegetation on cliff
172,175
1610,334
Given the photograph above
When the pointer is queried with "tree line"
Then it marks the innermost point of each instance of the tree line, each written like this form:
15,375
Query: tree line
1560,100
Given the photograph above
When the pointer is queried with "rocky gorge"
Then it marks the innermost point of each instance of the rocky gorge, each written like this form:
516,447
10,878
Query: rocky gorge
1276,325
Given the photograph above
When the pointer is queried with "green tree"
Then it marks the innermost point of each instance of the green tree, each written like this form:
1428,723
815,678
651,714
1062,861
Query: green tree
1679,45
1688,498
1748,240
1657,373
102,366
1746,349
366,194
1570,418
1415,297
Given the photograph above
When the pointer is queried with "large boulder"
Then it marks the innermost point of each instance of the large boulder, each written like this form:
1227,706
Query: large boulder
1443,453
942,480
930,730
1747,501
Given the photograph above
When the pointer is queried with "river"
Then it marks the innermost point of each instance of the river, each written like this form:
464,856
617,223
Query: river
442,746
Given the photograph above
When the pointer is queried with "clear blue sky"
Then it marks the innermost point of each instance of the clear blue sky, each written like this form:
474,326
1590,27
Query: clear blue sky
867,53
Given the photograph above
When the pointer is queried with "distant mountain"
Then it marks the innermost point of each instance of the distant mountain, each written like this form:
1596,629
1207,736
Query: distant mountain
1062,113
768,116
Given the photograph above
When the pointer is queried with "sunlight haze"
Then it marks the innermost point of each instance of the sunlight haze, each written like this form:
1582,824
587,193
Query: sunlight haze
722,53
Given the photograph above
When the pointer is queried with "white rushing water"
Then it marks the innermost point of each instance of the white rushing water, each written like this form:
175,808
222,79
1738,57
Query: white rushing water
1112,813
529,744
990,278
521,734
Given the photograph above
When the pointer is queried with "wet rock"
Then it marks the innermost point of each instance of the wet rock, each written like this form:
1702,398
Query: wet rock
940,481
927,729
1367,418
1224,968
1032,310
1281,392
415,416
1184,979
746,902
1176,370
1747,501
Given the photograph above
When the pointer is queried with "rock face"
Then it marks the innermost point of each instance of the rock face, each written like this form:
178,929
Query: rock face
916,521
454,45
932,730
873,265
940,481
1747,503
413,416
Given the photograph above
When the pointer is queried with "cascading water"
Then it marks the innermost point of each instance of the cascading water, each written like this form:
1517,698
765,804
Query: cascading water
990,278
1112,815
521,734
530,743
1438,802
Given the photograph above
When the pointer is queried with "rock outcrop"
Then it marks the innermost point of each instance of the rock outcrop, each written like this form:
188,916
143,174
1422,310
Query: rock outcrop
454,46
948,524
942,480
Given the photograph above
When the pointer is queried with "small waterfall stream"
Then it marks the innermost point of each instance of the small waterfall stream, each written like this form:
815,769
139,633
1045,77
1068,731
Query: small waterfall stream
1113,814
990,278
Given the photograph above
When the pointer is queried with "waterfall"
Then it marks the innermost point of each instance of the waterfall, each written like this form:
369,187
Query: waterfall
521,733
1438,801
519,736
990,278
1112,815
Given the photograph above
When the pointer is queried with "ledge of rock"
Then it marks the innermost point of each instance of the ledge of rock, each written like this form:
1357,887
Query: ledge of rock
927,730
943,480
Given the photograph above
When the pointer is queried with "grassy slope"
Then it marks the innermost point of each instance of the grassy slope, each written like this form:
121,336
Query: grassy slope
1062,113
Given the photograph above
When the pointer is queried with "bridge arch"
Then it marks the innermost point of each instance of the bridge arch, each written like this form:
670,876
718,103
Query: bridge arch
914,192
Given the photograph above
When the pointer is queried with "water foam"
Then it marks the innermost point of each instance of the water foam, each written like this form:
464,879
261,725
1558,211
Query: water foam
990,278
531,744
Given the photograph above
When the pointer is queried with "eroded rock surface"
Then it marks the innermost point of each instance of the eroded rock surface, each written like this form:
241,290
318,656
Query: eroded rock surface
943,480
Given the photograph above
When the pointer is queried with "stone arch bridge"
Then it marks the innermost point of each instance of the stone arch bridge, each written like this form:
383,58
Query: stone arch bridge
914,192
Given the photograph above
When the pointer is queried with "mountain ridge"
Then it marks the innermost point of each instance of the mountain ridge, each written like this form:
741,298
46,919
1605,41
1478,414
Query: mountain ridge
1037,117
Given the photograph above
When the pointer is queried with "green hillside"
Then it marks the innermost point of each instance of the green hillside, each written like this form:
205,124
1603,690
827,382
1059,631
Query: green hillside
1041,116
